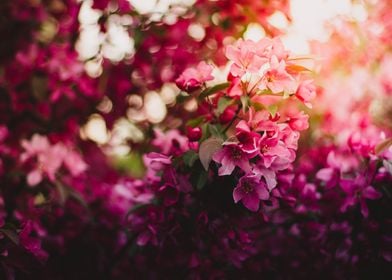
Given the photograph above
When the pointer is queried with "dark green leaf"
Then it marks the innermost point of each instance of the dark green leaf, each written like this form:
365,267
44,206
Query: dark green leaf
212,90
190,157
195,122
202,179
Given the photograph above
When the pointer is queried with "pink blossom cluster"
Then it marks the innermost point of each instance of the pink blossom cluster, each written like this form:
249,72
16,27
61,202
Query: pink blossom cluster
261,167
49,159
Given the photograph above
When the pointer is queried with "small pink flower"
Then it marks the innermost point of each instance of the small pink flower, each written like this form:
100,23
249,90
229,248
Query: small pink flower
272,149
250,190
49,159
170,142
36,145
230,156
306,92
244,58
193,78
276,77
298,121
74,163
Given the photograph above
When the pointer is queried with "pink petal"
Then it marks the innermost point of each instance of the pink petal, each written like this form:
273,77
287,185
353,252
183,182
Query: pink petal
238,194
34,177
325,174
370,193
226,168
364,208
251,202
244,165
262,192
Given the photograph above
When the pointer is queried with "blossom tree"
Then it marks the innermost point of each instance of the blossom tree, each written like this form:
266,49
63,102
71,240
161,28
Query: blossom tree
192,140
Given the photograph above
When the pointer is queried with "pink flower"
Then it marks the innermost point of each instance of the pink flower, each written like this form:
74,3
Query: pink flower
244,57
250,190
36,145
272,149
193,78
230,156
49,159
248,139
276,77
74,163
357,191
235,89
306,92
170,142
298,121
268,174
49,162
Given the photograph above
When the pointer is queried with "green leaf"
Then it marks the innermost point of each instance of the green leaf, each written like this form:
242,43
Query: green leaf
195,122
202,179
190,157
212,90
182,97
223,103
207,149
215,130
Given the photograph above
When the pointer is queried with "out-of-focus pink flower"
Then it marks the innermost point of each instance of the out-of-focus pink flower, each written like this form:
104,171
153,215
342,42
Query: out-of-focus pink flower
298,121
306,92
74,163
250,190
49,159
36,145
170,142
31,244
230,156
193,78
357,191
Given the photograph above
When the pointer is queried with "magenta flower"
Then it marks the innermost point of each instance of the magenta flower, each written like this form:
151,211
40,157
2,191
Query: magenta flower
193,78
357,191
230,156
336,164
248,139
250,190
